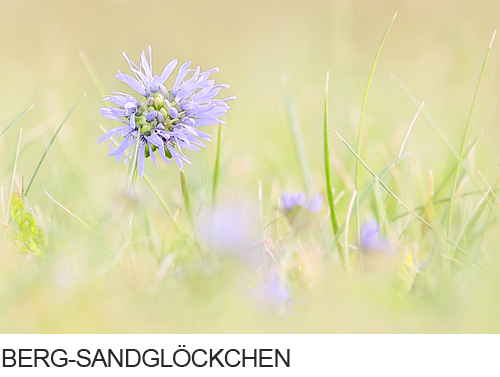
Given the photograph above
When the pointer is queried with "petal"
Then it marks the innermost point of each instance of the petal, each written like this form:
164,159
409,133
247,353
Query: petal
110,133
168,71
133,83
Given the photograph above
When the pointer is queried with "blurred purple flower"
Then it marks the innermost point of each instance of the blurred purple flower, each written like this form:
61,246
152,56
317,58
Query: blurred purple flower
231,230
371,238
295,200
270,291
165,120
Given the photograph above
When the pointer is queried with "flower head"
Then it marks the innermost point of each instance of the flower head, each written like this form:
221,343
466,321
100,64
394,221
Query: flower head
293,201
371,238
164,120
298,210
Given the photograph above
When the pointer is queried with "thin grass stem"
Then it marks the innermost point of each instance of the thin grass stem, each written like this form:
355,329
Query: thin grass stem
50,144
402,204
83,223
362,118
328,175
298,139
215,183
187,201
457,169
12,176
15,120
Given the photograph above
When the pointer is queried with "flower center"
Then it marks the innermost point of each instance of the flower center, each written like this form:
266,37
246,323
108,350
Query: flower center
156,111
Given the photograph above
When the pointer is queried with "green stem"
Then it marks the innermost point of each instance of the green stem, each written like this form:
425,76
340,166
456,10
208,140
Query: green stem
12,176
217,165
363,110
457,169
50,144
329,188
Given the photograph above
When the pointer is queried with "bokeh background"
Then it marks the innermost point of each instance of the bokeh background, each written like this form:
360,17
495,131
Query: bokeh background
435,47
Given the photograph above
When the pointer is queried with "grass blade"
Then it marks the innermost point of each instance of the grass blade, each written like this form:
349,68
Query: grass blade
162,203
329,188
12,176
402,204
132,174
50,144
363,109
93,73
457,169
345,252
217,165
298,139
15,120
187,201
85,225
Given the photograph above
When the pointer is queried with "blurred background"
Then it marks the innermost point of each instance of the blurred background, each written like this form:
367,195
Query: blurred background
435,47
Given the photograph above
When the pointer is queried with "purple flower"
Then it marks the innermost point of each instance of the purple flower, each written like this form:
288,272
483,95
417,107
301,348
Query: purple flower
164,120
371,238
296,200
270,291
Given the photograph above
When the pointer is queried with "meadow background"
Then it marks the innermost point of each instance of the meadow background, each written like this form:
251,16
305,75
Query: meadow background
137,273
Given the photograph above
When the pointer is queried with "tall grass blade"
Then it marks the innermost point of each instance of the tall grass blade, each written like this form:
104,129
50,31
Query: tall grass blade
132,173
329,188
83,223
50,144
162,203
215,183
457,169
187,201
298,139
402,204
363,110
93,74
15,120
12,176
345,252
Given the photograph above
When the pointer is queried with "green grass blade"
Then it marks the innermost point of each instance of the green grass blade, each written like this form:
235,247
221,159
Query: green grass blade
83,223
50,144
440,133
93,73
298,139
12,176
162,203
15,120
132,174
187,201
329,188
345,251
363,110
402,204
215,183
457,169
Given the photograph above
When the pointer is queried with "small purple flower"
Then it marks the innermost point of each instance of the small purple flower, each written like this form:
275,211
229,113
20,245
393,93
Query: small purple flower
371,238
270,291
292,200
295,200
164,120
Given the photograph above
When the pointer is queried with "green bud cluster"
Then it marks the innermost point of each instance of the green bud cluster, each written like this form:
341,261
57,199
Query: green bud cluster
157,101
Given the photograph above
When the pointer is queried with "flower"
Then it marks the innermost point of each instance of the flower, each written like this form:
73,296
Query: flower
164,120
292,201
371,238
271,291
299,211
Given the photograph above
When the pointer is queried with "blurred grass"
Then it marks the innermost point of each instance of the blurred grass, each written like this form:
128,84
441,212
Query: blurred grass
154,281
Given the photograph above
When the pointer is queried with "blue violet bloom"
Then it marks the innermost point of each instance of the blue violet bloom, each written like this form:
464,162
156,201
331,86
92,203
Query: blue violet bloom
372,239
164,120
292,201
